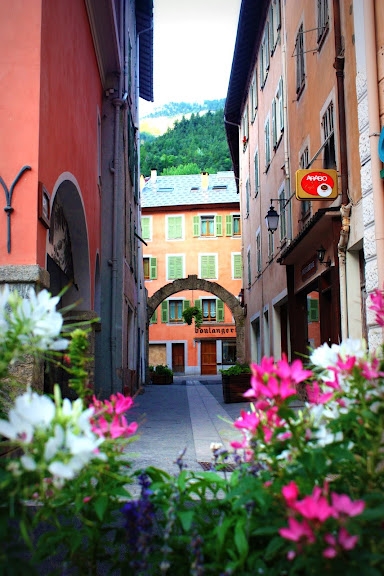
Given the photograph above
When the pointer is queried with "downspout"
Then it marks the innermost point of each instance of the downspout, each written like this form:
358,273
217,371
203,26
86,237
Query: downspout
345,208
118,103
374,132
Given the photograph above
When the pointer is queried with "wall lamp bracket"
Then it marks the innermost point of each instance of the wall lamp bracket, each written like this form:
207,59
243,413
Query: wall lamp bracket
321,255
272,217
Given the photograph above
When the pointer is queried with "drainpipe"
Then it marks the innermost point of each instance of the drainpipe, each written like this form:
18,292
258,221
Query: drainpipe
374,132
345,208
118,104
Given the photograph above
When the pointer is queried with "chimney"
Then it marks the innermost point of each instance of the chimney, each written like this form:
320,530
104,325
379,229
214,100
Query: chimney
204,180
153,175
142,182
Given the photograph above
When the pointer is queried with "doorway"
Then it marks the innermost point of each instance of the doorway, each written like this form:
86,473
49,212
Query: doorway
178,362
208,357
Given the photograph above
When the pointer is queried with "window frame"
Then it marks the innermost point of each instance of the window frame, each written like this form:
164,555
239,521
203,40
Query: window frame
201,264
167,230
300,60
182,258
143,231
236,266
323,17
258,253
267,142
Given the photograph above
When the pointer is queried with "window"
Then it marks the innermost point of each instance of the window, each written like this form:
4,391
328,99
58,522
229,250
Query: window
245,127
300,64
264,56
207,226
229,351
276,21
174,227
257,173
283,215
209,310
208,266
153,319
212,309
237,267
175,310
254,96
313,309
322,21
150,268
267,140
146,227
175,266
329,158
270,246
258,252
232,225
305,204
172,310
277,115
249,267
247,197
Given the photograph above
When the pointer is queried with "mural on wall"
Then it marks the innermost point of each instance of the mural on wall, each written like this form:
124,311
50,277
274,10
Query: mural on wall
60,248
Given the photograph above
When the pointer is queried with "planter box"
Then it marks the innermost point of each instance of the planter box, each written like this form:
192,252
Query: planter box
234,387
161,378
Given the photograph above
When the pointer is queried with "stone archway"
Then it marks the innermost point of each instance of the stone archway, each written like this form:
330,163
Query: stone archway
194,283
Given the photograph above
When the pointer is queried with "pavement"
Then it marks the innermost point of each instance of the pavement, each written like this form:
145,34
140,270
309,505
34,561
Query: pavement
189,414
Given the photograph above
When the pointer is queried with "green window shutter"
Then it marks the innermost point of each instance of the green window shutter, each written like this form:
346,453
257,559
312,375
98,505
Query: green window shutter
179,267
198,304
178,230
186,304
237,266
211,267
196,225
219,226
204,266
220,310
154,317
228,225
145,228
313,310
164,311
153,268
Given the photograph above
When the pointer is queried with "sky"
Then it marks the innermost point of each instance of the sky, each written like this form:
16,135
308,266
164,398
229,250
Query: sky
194,41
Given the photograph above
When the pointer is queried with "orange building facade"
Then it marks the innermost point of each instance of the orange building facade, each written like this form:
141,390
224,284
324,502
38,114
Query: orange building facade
191,226
69,165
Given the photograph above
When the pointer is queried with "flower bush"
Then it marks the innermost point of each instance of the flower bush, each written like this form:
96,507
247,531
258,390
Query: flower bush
64,468
299,493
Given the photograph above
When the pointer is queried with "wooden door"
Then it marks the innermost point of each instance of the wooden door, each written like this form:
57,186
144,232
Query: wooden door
208,357
178,358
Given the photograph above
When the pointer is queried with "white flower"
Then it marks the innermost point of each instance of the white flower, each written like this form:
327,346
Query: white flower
54,443
36,409
28,463
324,436
16,428
61,470
324,356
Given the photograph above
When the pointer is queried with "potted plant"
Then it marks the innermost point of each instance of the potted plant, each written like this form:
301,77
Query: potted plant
162,375
193,312
235,381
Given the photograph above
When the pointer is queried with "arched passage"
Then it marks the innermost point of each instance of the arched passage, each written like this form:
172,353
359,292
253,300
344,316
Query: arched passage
194,283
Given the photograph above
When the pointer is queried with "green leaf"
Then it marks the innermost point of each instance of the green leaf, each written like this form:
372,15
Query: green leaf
100,505
241,539
274,546
186,517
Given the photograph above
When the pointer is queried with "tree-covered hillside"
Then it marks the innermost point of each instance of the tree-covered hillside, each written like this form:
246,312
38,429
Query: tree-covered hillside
192,146
178,108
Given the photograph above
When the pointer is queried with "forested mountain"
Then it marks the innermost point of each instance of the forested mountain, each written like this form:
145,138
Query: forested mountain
182,108
193,145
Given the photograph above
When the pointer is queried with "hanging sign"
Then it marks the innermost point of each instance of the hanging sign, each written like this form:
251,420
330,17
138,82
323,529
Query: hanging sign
316,184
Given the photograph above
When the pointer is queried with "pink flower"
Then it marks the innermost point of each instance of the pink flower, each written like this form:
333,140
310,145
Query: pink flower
346,365
377,300
343,505
119,427
297,531
315,394
87,499
248,421
290,492
315,507
277,390
346,540
293,371
123,403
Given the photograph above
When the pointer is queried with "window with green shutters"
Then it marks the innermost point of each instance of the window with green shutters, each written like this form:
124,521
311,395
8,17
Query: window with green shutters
208,266
175,267
153,268
212,310
228,225
174,227
313,309
232,225
153,319
196,225
164,311
219,226
146,227
207,226
237,266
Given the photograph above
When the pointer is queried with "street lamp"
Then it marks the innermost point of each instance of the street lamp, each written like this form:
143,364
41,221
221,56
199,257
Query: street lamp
321,255
272,219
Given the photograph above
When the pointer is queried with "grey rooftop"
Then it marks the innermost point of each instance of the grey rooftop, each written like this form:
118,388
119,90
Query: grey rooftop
186,190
